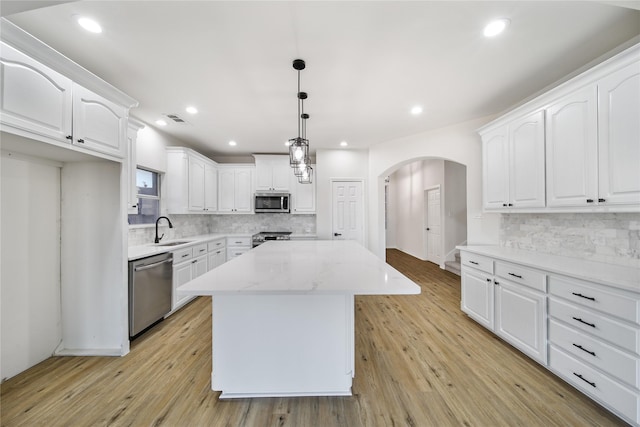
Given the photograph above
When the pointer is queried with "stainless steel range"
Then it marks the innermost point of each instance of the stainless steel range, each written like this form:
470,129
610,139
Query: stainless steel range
265,236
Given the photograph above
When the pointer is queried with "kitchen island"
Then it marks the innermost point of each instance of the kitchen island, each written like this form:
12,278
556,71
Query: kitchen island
283,316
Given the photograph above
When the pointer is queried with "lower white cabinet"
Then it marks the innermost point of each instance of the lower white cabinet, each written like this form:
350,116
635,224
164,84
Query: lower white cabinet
217,253
585,331
237,246
188,263
511,310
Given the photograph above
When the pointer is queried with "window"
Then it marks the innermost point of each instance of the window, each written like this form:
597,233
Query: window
148,184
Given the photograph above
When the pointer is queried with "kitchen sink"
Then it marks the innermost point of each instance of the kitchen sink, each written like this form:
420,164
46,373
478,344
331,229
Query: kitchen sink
176,243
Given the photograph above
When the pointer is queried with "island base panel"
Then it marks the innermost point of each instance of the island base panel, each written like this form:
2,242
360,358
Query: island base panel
282,345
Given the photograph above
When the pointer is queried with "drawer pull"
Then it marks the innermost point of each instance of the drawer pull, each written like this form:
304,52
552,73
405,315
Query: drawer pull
582,321
582,378
584,349
583,296
473,262
185,255
489,280
515,275
202,250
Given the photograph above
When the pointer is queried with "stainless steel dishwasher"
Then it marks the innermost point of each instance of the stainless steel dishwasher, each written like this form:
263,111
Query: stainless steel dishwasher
149,291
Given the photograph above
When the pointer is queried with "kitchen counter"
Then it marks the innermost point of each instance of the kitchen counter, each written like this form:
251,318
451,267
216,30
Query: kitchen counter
283,316
143,251
627,278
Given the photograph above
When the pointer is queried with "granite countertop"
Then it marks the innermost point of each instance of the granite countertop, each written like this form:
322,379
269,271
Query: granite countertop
618,276
303,267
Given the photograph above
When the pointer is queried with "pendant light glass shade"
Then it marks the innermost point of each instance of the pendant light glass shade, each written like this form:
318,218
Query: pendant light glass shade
307,176
298,152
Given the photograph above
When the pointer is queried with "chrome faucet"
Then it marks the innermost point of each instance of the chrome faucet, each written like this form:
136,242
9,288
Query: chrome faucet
157,220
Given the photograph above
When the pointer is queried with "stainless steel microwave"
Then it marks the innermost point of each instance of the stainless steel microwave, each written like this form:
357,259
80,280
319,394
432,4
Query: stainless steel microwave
271,202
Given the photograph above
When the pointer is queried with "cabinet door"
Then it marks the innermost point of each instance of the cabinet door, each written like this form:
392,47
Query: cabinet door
477,296
198,266
33,97
210,188
182,273
303,196
226,190
521,318
280,173
526,161
572,149
216,258
243,193
619,136
495,169
98,124
196,184
264,175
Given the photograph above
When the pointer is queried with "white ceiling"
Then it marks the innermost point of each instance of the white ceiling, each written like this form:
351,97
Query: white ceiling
368,63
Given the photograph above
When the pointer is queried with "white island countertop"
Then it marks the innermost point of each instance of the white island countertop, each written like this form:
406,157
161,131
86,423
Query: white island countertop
303,267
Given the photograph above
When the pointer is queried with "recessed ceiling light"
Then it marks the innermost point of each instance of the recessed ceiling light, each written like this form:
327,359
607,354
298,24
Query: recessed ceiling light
232,143
416,110
343,144
89,25
496,27
161,123
191,110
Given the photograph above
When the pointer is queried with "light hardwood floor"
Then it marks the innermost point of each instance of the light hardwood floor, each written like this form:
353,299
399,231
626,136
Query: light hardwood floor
419,362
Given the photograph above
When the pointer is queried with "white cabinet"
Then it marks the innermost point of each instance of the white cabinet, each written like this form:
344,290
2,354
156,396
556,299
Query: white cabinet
513,164
39,102
572,148
272,173
303,196
191,182
188,263
217,253
34,97
619,136
132,134
235,189
508,300
237,245
98,124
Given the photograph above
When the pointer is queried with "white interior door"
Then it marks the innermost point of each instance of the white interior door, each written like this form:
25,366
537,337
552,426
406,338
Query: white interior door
433,226
348,221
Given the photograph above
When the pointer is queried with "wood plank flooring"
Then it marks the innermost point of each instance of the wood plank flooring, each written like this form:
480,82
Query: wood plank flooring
419,362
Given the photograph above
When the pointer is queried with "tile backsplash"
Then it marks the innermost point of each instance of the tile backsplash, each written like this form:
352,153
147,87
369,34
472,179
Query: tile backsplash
193,225
606,237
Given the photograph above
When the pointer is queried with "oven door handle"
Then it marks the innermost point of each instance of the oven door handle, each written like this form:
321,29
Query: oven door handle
155,264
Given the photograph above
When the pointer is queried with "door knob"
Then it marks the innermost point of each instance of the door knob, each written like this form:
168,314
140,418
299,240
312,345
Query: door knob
427,228
337,234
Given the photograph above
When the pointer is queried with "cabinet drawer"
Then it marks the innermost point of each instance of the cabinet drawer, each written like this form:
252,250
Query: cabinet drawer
216,244
182,255
619,364
618,333
235,252
525,276
479,262
617,303
592,382
199,250
239,241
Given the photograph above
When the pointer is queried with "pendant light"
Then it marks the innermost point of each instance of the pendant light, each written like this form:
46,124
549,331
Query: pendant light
299,147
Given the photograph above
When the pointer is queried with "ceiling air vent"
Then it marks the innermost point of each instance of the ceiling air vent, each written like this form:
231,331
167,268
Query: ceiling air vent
175,118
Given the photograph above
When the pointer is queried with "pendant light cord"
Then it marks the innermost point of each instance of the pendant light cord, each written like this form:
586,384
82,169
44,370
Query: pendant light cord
299,101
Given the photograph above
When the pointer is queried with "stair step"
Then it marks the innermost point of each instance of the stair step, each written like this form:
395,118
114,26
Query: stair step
453,267
457,256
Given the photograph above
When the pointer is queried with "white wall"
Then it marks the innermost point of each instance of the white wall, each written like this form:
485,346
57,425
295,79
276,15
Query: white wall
331,164
455,207
459,143
30,286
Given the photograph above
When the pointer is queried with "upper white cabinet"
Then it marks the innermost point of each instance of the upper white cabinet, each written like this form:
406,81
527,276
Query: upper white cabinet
40,103
235,188
191,182
98,124
272,172
34,97
513,164
572,148
619,136
303,196
132,135
575,148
